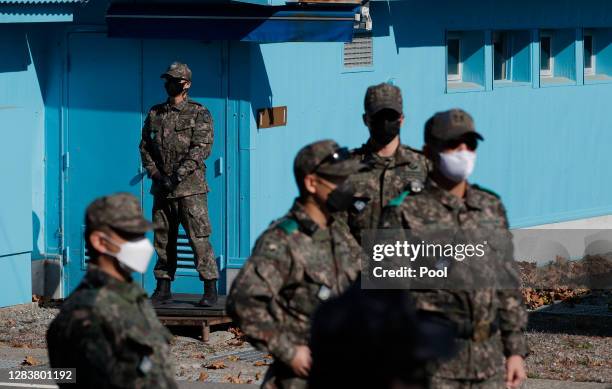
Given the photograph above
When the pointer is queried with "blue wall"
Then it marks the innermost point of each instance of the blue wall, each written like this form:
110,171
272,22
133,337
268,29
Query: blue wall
21,113
545,150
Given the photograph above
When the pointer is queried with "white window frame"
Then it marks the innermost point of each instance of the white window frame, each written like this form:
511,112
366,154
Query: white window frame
589,71
551,58
459,76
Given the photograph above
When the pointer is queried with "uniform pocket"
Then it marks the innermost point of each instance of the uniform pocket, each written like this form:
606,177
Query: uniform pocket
198,217
185,123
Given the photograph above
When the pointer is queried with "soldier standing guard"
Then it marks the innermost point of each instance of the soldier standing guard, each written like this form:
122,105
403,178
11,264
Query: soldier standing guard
391,166
107,328
177,137
490,321
302,259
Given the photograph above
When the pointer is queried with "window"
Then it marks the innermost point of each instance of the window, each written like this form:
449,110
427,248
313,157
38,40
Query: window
558,57
453,58
546,57
597,54
501,56
589,54
511,57
465,61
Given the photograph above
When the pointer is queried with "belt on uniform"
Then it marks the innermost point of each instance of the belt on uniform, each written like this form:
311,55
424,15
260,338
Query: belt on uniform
477,332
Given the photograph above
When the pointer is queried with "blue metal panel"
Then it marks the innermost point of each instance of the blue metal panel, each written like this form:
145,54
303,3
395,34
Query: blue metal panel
102,131
15,279
20,105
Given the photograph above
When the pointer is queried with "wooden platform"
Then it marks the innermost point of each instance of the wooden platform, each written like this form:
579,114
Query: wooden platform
183,310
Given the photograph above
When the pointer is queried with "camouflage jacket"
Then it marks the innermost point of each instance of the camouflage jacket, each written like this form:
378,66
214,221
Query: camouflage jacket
481,209
176,139
294,266
109,332
383,180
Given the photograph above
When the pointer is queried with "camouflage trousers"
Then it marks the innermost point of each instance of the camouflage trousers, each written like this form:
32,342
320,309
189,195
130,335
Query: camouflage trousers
192,213
495,382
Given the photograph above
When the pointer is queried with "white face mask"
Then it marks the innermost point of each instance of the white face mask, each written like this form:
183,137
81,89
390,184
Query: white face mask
457,165
134,255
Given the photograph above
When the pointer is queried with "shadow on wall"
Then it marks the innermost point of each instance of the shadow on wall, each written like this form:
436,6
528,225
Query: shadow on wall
36,254
14,51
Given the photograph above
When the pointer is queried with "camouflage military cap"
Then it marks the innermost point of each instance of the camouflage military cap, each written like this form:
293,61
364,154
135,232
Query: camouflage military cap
450,125
383,96
120,211
326,158
178,70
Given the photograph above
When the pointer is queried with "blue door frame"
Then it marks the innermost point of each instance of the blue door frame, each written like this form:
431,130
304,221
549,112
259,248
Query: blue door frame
107,93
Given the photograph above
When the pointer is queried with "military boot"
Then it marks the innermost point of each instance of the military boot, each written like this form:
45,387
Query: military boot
162,291
209,299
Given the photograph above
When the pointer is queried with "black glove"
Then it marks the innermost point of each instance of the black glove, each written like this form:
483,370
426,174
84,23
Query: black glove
168,183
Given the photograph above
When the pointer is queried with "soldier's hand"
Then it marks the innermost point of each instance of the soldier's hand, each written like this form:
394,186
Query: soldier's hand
515,371
157,176
168,183
300,364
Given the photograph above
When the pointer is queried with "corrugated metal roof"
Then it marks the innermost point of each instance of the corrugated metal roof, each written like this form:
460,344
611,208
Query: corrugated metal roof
41,1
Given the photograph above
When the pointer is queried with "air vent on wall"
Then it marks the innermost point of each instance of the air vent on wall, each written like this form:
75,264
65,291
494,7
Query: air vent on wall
359,53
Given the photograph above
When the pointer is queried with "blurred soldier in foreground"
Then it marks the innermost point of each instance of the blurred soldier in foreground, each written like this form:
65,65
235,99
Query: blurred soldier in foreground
490,321
177,137
107,328
374,339
302,259
391,166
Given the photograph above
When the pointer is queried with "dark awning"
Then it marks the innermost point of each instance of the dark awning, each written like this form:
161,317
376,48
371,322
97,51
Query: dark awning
245,22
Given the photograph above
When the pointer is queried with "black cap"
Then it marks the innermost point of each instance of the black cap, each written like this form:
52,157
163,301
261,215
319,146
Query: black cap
383,96
326,158
450,125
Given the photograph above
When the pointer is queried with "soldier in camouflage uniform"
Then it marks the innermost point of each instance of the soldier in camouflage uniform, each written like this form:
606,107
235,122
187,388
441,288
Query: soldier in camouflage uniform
107,328
302,259
490,321
177,137
392,166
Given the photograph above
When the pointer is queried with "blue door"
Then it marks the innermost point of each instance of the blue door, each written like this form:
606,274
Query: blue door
111,84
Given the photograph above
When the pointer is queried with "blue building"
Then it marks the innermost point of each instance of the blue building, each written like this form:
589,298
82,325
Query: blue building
77,79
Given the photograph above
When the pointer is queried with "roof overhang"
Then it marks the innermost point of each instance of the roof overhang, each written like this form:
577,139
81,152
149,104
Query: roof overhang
36,11
235,21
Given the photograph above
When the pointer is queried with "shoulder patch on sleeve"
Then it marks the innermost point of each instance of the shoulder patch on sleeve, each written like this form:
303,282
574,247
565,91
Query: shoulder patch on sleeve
289,226
486,190
396,202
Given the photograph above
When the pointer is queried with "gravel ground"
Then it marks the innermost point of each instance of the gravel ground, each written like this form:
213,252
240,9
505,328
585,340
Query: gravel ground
227,359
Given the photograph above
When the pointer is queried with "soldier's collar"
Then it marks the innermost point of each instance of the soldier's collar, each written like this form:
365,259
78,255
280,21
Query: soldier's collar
96,278
178,107
402,156
451,201
472,197
306,224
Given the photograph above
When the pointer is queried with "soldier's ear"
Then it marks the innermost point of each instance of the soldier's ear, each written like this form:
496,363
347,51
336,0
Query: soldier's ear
365,119
100,242
310,183
188,85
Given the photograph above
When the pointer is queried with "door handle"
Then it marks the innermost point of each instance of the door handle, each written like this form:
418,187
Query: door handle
219,166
